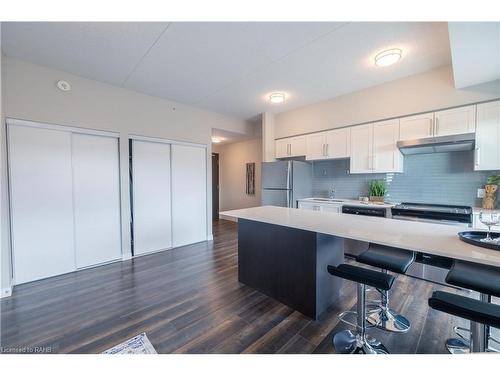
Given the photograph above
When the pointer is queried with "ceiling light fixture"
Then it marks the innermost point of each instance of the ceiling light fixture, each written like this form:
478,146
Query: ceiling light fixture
217,140
277,97
388,57
63,85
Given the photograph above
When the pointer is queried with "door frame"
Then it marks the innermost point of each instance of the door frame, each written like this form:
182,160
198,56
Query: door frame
215,186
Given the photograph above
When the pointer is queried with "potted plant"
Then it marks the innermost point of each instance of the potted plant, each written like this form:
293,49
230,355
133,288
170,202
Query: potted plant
377,190
490,192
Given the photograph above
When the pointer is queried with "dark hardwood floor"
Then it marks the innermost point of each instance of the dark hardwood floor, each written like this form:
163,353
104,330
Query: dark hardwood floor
188,300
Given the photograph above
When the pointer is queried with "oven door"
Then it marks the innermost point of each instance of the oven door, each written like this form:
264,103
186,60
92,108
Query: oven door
429,267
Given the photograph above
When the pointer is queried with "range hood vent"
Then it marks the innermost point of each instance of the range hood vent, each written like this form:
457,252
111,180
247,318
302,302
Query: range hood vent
447,143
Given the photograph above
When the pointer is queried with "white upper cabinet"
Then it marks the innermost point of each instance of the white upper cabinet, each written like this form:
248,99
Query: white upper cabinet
487,155
386,155
338,143
361,149
316,146
448,122
455,121
333,144
291,147
282,148
418,126
373,147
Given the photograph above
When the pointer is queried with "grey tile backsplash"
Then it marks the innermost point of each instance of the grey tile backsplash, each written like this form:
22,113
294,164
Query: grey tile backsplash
442,178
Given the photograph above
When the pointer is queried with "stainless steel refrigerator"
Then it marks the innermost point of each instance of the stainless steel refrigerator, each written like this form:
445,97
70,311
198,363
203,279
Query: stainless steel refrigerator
284,182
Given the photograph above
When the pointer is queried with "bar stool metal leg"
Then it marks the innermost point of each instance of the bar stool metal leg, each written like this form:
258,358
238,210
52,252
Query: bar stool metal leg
348,342
463,344
387,319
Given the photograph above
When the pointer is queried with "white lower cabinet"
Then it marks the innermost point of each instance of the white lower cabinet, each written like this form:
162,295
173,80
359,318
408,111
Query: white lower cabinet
323,207
64,196
487,153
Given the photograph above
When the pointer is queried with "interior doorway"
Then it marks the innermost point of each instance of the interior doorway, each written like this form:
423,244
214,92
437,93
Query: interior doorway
215,186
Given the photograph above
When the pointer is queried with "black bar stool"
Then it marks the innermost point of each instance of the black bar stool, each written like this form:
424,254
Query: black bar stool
347,341
394,260
483,279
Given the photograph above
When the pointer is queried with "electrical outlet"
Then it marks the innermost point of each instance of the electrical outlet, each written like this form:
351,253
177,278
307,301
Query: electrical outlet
480,193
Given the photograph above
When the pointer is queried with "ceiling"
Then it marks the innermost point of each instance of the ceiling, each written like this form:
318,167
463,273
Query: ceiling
475,51
231,67
226,136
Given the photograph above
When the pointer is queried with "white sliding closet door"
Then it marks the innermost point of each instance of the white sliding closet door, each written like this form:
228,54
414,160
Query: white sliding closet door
41,202
189,194
96,191
151,196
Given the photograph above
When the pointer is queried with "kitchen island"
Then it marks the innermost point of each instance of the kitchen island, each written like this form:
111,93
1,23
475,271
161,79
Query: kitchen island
283,252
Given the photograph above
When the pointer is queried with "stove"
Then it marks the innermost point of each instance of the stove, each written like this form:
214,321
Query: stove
436,213
431,267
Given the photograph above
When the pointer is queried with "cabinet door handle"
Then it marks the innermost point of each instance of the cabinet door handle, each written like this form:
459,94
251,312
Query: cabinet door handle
436,126
327,149
478,157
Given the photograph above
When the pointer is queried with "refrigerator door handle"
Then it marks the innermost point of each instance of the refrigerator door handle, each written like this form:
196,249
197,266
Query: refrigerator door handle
288,175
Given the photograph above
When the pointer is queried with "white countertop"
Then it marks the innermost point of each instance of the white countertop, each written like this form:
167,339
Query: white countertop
435,239
347,202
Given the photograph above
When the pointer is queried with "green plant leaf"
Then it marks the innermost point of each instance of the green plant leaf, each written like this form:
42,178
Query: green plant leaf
493,180
377,188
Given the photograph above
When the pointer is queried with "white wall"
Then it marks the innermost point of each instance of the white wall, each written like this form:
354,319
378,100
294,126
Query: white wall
30,94
419,93
232,173
4,224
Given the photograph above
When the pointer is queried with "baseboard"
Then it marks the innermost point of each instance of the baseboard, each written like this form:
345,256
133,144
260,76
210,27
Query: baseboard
210,237
6,292
127,256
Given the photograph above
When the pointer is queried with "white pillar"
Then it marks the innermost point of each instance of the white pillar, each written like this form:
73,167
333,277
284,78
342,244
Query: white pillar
268,152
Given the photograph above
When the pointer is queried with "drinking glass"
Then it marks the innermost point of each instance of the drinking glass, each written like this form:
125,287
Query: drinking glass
489,218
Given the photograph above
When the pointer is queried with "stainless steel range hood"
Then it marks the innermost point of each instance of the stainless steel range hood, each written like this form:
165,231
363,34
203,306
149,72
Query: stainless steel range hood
447,143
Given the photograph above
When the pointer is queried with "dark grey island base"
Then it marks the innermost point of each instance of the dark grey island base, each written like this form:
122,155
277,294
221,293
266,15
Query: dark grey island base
290,265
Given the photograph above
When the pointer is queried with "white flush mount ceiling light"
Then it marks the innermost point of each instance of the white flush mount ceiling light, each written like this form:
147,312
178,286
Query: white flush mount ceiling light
277,97
388,57
63,85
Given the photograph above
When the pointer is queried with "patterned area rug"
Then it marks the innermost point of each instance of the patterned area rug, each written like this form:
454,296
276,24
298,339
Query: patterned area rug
139,344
